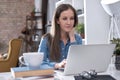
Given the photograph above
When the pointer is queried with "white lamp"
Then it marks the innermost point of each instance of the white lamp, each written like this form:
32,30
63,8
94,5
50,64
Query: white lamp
112,7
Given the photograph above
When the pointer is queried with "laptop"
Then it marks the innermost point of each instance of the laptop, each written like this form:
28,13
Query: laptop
88,57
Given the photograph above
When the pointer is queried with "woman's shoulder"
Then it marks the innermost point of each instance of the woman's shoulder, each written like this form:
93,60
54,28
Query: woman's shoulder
45,36
78,37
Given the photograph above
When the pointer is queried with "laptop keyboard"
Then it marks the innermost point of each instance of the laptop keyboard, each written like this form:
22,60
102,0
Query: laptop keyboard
98,77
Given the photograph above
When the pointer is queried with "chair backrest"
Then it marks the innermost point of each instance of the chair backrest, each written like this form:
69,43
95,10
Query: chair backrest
12,57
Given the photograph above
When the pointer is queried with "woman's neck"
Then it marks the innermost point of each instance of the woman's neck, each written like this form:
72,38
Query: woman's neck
64,37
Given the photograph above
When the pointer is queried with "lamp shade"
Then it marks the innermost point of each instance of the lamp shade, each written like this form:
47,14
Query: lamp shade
112,7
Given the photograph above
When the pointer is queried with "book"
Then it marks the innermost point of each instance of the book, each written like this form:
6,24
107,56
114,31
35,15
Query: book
18,72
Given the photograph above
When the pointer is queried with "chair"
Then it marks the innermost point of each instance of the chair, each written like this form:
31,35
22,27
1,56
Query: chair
12,56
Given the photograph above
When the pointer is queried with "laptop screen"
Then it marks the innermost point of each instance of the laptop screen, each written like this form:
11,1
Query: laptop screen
88,57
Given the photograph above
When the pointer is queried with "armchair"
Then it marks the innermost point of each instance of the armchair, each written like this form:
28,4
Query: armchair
12,56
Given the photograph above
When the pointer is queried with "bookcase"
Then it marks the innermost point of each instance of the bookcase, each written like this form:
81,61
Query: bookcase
34,28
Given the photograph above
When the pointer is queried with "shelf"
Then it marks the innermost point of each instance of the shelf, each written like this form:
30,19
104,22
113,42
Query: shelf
80,15
63,2
35,30
83,41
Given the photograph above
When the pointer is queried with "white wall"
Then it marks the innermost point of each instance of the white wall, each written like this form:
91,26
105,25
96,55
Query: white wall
38,6
96,22
51,8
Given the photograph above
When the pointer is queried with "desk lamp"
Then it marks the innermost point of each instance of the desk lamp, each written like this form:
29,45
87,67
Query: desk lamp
112,7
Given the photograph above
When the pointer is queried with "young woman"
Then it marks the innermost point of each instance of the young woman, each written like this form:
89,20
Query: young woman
55,44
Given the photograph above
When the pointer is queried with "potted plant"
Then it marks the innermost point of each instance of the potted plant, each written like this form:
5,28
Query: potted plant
117,52
80,29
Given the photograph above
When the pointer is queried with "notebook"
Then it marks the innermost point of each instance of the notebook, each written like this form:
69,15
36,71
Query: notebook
88,57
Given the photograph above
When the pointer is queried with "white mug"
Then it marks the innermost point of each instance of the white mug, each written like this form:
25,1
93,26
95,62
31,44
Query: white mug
32,59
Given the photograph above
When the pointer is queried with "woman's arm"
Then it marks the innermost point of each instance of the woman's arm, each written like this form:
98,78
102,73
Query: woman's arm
74,38
46,62
78,40
43,47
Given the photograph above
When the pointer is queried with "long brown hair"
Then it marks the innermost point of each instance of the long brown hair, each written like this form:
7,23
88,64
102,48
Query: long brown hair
54,36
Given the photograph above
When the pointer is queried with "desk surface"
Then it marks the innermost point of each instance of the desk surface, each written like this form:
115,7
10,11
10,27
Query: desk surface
7,75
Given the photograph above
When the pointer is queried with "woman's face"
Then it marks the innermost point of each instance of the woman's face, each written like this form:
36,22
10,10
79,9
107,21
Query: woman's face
66,20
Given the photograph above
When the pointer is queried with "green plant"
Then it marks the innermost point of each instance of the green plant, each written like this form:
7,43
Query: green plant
117,48
80,28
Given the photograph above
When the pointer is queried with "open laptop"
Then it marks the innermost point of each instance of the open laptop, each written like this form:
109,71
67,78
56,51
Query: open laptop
88,57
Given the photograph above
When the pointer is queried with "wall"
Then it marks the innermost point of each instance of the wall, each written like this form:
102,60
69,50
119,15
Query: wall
96,22
12,19
51,8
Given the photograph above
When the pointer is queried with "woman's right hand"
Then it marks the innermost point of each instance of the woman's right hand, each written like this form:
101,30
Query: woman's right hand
71,35
61,64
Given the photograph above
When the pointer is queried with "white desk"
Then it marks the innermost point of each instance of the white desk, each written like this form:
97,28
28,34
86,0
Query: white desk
115,74
111,71
7,75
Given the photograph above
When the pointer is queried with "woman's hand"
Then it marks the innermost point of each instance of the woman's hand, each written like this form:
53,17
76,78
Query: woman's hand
61,64
71,35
